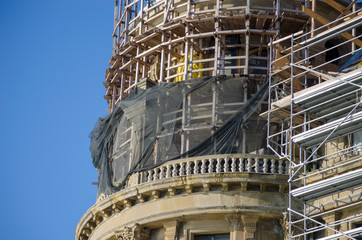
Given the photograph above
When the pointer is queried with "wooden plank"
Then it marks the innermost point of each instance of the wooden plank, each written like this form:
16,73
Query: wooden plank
260,22
337,6
324,21
280,61
286,73
315,15
349,18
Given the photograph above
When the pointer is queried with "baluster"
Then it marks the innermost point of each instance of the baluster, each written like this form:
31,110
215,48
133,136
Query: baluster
174,171
155,175
226,165
162,172
272,168
286,169
265,165
203,166
149,177
196,167
256,165
233,165
241,165
168,171
188,168
248,165
280,167
144,176
182,169
218,165
211,165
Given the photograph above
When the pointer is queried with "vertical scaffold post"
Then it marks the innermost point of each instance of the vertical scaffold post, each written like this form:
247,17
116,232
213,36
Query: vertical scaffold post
269,90
353,30
289,154
247,37
137,65
123,80
313,23
277,17
245,99
183,123
191,54
186,49
128,17
113,97
162,62
130,79
115,24
169,57
140,31
216,51
213,115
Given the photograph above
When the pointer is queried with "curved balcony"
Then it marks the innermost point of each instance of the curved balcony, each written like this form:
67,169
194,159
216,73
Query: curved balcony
215,164
206,185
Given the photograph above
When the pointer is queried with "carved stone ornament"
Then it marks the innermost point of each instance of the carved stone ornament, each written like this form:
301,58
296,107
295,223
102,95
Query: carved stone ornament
170,229
249,236
234,223
144,234
284,222
126,234
134,233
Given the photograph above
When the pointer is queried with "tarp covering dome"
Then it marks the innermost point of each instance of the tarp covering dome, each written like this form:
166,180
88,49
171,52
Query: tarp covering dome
174,120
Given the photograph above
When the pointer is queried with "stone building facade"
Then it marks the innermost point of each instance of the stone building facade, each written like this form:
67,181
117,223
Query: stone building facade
187,151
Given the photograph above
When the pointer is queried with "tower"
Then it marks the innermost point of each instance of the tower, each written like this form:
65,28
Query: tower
188,150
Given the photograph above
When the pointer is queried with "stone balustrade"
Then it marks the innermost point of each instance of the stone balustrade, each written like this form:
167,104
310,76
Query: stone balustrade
193,177
217,164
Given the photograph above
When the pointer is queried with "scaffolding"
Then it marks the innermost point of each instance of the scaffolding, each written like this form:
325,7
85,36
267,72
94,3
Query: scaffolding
174,40
315,121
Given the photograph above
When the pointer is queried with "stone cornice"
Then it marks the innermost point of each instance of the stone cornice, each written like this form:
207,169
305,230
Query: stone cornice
221,183
258,175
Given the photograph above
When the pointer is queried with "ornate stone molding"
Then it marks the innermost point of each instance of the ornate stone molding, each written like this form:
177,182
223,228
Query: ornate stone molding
125,234
135,232
249,224
235,228
217,183
234,223
284,222
171,229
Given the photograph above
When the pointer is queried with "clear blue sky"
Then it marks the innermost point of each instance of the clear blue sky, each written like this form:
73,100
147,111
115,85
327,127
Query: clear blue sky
53,57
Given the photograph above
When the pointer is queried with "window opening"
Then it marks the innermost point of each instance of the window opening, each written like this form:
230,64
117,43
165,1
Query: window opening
212,237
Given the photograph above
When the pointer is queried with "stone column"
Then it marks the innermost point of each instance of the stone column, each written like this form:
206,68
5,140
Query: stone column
236,232
171,229
249,224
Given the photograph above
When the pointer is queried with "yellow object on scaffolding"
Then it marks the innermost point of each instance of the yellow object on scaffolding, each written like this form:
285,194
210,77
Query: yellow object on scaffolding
194,66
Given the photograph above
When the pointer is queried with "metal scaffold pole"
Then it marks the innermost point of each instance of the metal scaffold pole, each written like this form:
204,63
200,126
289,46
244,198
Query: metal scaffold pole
323,111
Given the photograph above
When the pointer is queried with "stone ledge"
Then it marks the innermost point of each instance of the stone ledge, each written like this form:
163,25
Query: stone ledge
191,207
335,169
217,184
